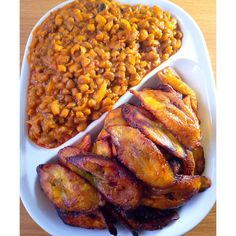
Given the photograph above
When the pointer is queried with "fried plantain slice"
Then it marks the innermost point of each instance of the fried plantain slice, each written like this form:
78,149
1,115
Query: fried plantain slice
176,166
205,183
168,88
154,130
173,113
146,113
82,146
146,218
66,190
87,220
199,158
103,147
187,101
141,156
177,100
113,149
114,117
177,195
179,103
111,179
67,152
170,76
189,164
85,144
63,156
103,135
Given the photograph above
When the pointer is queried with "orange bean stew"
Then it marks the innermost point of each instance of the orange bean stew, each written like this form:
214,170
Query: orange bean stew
87,54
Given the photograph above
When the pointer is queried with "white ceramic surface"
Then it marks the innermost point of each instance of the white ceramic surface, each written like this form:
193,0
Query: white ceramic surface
192,62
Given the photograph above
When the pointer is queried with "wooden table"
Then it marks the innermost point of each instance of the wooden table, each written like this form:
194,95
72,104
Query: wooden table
203,11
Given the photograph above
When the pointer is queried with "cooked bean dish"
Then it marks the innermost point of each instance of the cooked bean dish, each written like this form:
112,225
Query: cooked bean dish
86,55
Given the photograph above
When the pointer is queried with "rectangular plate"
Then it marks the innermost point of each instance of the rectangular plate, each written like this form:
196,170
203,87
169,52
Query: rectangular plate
193,64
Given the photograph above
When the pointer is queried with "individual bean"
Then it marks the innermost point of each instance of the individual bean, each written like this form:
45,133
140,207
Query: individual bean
84,88
70,84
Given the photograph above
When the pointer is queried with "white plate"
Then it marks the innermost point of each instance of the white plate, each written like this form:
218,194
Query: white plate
192,62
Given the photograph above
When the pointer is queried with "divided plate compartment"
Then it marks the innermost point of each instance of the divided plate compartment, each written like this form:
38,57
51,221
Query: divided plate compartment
193,64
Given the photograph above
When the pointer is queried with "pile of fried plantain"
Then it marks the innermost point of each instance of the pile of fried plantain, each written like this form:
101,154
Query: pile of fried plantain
145,163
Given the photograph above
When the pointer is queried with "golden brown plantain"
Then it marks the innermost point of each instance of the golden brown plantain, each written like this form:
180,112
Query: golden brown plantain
183,190
188,164
205,183
63,156
185,184
154,130
179,103
173,113
85,144
198,155
176,166
103,147
110,178
168,88
66,190
177,100
141,156
82,146
187,101
166,201
67,152
87,220
145,218
146,113
113,149
114,117
170,76
103,135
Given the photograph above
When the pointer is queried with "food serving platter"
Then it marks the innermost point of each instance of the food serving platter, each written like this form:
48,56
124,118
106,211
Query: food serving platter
193,64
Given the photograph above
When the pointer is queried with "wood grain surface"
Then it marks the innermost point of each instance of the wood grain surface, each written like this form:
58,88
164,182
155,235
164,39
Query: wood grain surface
203,11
